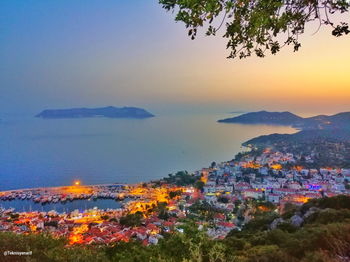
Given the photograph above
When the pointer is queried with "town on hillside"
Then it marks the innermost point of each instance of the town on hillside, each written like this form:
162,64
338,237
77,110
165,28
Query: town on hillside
218,199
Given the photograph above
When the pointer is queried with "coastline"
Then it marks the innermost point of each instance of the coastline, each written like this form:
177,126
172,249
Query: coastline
68,188
101,151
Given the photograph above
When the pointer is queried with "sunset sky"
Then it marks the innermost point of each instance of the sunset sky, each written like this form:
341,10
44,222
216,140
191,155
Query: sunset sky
56,54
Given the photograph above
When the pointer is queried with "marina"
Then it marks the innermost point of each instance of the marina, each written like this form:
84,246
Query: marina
66,198
79,197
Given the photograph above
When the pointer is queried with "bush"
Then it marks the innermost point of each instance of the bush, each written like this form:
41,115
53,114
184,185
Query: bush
131,220
45,248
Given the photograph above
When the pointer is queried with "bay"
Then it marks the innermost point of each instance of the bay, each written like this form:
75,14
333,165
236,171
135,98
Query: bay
54,152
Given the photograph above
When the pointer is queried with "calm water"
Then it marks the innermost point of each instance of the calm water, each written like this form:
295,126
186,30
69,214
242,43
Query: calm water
81,205
36,152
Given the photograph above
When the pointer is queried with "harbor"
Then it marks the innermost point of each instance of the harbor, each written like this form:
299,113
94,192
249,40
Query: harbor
66,198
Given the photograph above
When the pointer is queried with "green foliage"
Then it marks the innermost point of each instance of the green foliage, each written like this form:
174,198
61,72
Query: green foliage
287,227
181,178
105,217
266,253
289,210
45,248
240,155
205,210
51,223
14,216
255,27
131,220
326,231
223,199
162,211
328,216
131,251
174,194
261,222
199,185
337,202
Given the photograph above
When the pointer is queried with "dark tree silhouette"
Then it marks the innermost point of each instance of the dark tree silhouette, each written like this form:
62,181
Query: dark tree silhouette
258,26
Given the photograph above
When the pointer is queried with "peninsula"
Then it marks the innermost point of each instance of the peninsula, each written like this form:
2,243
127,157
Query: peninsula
337,121
109,111
327,137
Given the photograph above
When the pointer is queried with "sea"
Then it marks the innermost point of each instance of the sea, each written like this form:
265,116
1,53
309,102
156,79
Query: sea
54,152
38,152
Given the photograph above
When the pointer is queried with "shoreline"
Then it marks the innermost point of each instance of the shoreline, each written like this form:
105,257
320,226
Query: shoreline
64,187
59,187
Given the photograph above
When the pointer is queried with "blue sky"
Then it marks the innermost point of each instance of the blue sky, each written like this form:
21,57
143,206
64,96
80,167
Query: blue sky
74,53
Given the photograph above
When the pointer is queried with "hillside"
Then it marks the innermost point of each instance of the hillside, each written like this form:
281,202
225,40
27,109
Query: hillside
337,121
264,117
328,147
313,136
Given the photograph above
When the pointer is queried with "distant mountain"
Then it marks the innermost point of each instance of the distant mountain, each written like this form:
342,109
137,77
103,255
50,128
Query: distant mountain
109,111
338,121
264,117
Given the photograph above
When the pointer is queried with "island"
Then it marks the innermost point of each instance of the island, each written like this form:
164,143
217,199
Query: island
109,112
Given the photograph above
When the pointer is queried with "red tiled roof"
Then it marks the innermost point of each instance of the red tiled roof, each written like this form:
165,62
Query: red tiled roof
152,226
226,224
94,231
168,224
219,216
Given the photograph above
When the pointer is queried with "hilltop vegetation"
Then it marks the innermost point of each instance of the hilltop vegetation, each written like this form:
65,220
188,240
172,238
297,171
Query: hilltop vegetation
317,231
338,121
